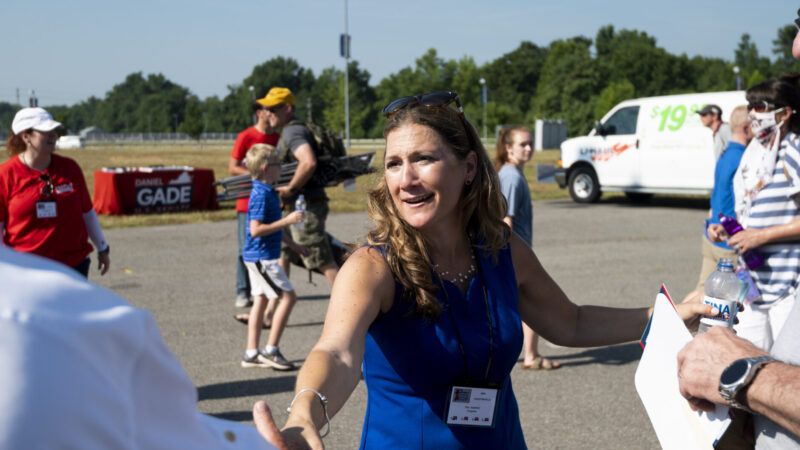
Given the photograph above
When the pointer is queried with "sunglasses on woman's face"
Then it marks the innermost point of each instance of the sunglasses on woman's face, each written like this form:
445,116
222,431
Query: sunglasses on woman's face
762,106
438,98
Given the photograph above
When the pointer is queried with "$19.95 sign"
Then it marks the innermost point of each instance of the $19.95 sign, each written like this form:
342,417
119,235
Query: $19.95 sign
674,117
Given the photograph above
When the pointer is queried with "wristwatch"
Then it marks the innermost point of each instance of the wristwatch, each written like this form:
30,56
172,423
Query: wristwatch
737,377
105,250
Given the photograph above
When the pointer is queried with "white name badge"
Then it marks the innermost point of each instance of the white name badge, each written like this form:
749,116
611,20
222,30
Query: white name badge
64,188
45,210
471,406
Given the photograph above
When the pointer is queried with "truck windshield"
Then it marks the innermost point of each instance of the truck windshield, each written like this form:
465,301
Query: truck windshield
622,122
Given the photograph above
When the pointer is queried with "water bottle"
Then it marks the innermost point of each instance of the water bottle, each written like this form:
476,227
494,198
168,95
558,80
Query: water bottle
752,258
300,205
723,290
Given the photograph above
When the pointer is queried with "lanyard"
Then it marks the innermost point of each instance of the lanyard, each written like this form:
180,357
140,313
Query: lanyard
458,333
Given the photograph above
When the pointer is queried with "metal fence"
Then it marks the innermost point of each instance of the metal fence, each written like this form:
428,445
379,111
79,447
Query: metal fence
99,139
151,137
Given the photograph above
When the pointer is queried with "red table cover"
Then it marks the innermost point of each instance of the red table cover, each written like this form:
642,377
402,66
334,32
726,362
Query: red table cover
147,190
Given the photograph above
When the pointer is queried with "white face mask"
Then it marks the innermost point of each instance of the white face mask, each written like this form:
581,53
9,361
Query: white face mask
765,126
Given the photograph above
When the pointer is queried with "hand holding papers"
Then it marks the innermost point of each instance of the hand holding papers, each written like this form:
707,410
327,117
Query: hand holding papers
656,380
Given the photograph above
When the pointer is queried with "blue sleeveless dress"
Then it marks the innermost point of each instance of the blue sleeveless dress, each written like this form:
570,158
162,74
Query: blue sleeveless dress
410,363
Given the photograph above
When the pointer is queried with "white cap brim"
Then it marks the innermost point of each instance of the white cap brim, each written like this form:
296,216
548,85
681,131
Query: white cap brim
48,125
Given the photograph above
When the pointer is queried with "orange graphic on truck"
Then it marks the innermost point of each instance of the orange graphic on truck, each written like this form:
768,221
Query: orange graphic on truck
608,153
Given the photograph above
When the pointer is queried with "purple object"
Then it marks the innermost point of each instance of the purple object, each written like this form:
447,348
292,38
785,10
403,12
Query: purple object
752,258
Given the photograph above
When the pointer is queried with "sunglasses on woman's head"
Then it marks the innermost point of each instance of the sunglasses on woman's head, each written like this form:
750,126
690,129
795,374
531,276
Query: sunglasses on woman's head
47,189
438,98
762,106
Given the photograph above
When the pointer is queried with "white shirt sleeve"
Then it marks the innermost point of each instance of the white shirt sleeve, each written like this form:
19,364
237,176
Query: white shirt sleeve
176,423
93,228
80,368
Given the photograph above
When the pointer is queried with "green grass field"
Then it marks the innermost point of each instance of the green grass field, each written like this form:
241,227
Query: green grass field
215,156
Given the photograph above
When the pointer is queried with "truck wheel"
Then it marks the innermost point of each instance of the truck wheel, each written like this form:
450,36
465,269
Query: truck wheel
638,197
583,185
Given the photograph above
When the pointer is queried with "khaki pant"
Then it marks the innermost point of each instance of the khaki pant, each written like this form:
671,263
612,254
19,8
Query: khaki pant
711,256
313,237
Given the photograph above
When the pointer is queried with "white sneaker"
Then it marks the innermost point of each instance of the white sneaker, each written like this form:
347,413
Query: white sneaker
243,301
254,361
276,361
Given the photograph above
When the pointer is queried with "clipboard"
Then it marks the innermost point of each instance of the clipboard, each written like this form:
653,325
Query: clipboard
676,425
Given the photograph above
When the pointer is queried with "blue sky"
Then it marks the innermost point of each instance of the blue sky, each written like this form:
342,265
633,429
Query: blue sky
69,50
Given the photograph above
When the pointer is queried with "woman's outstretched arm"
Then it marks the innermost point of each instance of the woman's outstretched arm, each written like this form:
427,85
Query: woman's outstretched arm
364,287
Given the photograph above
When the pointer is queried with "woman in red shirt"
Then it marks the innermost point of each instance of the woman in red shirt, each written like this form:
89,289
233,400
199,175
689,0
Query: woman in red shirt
45,207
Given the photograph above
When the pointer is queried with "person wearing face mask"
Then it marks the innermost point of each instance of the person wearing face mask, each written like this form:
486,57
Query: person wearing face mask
767,188
45,206
720,368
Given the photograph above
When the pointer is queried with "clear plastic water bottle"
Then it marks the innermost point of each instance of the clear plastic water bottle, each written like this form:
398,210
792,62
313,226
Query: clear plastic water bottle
300,205
723,291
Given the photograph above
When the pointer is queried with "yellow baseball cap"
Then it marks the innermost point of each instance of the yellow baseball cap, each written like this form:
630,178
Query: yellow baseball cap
276,96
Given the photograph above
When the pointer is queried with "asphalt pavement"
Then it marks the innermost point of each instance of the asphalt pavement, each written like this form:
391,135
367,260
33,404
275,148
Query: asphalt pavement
613,253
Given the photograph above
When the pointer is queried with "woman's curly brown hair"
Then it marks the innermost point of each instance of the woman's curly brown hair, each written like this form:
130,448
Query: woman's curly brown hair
482,204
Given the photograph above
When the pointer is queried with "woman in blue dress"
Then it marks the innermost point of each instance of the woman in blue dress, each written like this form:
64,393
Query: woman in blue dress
430,311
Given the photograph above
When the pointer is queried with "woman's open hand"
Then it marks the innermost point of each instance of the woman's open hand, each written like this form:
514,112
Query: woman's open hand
301,435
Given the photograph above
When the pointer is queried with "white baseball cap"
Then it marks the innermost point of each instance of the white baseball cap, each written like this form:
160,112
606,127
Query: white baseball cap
33,118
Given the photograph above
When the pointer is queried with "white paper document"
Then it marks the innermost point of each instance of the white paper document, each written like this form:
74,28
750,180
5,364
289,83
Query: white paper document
676,425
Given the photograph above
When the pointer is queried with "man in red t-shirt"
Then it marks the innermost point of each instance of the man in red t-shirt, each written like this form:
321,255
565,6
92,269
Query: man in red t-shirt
260,133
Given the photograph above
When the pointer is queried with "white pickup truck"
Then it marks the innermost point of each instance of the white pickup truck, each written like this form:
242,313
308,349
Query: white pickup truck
645,146
69,142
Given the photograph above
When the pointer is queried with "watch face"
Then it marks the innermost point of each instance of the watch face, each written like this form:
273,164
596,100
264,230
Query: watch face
734,372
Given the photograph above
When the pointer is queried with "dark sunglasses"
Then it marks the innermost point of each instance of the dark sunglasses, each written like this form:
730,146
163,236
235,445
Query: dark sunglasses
47,189
762,106
275,108
431,99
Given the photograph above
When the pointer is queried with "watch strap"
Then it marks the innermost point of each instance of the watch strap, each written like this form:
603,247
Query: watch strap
734,394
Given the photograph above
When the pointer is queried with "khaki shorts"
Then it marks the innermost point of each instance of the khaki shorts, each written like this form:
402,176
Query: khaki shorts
313,237
711,256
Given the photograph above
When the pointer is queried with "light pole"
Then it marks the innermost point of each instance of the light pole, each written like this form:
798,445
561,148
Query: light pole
484,101
738,78
344,49
252,101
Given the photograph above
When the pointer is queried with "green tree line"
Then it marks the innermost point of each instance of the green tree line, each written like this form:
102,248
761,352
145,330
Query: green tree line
576,80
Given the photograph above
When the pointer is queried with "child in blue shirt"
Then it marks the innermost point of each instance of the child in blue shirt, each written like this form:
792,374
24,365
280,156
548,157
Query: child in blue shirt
261,254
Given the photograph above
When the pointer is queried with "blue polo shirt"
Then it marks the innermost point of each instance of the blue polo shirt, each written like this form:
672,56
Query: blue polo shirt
264,206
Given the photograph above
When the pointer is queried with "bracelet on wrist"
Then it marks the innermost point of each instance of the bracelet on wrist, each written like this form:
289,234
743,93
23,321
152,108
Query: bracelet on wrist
323,401
104,251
